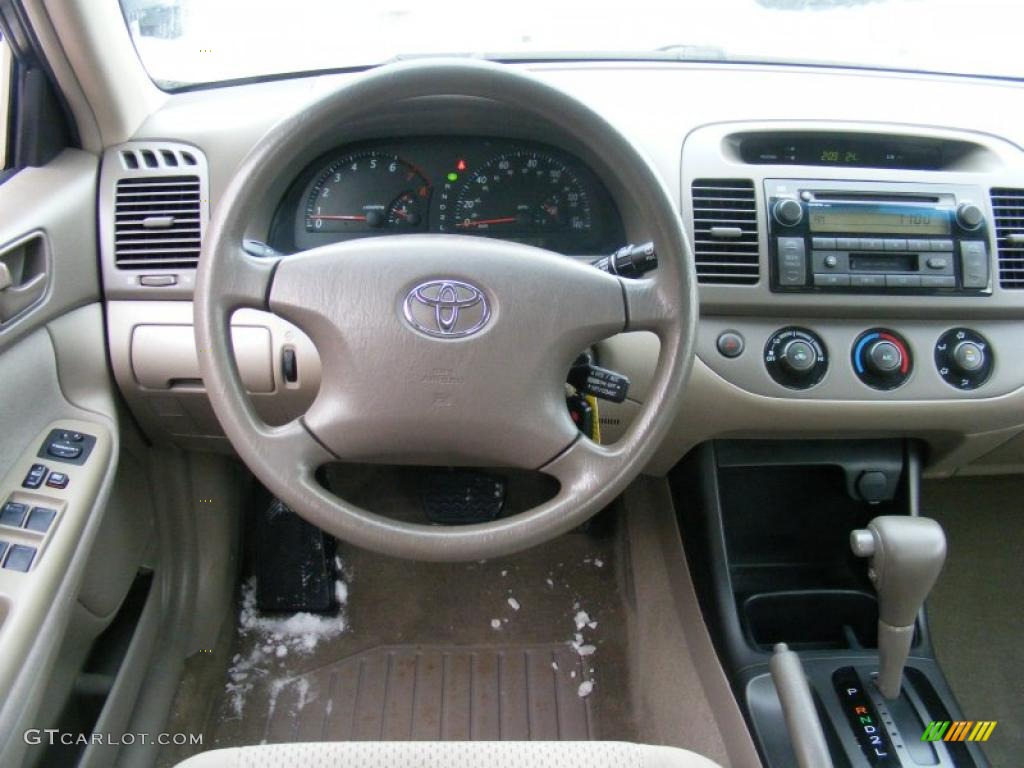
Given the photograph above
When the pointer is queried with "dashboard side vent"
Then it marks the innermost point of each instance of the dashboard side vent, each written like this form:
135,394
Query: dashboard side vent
725,237
157,220
1008,208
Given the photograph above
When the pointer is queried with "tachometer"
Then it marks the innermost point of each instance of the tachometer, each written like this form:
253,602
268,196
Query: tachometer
366,191
524,193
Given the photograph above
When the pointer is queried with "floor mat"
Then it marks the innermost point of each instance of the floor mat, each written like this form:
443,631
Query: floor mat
486,650
976,611
430,693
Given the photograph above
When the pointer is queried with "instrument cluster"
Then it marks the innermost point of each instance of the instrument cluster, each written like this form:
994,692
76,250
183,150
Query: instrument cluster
513,190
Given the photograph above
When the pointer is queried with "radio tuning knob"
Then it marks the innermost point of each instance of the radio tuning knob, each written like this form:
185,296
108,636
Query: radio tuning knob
969,215
788,212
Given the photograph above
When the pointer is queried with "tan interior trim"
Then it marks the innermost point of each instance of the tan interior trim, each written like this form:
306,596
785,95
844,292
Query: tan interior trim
5,98
99,73
674,637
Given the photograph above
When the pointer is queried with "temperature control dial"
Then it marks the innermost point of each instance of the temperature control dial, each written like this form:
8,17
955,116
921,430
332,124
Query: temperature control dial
795,358
881,358
964,358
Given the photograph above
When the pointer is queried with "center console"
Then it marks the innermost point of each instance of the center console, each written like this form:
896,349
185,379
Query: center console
767,529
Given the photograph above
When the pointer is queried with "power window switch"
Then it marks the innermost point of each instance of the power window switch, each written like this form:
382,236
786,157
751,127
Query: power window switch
35,477
3,550
13,514
20,558
40,519
57,480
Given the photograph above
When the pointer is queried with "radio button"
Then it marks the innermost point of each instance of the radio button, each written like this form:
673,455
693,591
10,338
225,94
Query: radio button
919,245
830,261
831,280
792,261
902,281
867,281
937,262
974,263
942,245
896,245
847,243
872,244
938,281
823,243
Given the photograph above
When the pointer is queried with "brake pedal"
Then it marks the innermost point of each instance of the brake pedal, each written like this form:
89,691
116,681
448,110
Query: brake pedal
462,497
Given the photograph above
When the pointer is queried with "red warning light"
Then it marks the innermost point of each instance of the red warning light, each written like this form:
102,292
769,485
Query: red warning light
460,165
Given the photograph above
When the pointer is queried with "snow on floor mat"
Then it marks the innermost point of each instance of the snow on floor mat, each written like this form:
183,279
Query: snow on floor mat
425,692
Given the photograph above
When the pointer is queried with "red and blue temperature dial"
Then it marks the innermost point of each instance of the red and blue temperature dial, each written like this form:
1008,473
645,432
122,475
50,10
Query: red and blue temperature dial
882,358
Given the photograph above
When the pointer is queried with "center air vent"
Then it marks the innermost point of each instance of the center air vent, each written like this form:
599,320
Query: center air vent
725,240
1008,207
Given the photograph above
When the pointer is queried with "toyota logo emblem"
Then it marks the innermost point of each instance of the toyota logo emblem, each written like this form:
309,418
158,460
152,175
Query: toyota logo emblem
447,309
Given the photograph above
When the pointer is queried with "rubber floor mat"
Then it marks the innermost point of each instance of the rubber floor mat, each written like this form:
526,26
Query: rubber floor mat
428,693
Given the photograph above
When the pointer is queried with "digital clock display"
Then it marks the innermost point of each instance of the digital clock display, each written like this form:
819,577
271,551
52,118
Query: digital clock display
877,219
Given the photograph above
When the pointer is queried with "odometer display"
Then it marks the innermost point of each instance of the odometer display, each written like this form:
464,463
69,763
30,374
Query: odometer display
521,194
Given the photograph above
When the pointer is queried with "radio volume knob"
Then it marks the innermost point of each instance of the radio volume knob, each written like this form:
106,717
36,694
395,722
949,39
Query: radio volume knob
969,215
788,212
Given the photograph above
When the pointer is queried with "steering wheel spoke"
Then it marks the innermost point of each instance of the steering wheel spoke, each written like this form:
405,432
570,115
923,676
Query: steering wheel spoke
581,465
648,307
251,279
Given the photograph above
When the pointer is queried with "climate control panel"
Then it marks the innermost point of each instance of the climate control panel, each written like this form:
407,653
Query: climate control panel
847,359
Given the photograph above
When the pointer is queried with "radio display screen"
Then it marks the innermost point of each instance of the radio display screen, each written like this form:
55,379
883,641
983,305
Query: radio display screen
878,219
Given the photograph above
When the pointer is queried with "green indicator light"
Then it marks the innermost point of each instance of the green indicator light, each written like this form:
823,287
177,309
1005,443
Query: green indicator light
453,176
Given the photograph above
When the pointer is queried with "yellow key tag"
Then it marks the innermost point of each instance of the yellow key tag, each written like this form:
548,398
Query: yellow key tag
595,430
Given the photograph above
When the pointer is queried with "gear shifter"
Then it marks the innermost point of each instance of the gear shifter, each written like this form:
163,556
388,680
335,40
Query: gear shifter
906,554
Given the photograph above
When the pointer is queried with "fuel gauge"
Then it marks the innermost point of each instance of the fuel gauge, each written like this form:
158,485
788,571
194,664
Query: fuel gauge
406,210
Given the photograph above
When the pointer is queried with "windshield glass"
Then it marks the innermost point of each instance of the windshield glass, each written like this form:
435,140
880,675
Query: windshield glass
185,42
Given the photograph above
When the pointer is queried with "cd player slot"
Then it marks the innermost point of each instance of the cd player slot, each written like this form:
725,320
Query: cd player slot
884,262
873,197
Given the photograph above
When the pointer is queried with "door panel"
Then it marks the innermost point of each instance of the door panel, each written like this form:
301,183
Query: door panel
48,239
54,376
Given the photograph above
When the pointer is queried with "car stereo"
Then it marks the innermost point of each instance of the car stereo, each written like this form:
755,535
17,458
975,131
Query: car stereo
877,238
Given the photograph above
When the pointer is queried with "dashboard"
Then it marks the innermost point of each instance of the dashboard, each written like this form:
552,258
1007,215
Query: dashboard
524,191
808,327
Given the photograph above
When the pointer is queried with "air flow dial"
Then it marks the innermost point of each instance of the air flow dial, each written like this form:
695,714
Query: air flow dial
964,358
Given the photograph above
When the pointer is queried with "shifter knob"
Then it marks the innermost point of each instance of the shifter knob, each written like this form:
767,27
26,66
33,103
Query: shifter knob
907,554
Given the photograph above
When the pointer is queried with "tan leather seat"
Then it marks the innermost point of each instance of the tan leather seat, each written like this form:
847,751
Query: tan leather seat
451,754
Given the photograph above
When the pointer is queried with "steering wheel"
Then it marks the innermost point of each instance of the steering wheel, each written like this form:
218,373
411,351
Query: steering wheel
443,349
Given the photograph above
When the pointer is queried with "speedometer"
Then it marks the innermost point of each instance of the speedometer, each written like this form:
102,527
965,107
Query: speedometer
518,194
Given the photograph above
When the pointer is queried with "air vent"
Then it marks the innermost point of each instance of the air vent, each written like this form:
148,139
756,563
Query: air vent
157,221
133,159
1008,207
725,238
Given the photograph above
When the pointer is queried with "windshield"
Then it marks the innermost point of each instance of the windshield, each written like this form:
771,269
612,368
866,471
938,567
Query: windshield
184,42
